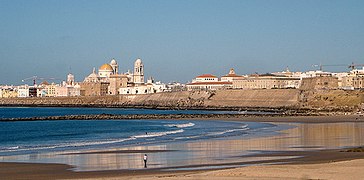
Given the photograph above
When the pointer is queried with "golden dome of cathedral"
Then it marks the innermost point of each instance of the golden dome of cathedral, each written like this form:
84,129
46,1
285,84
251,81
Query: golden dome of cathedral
106,67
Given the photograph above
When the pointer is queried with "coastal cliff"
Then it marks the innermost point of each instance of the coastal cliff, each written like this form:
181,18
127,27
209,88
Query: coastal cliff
275,99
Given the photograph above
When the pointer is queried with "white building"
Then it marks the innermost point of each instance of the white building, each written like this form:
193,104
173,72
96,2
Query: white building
70,79
159,87
230,77
205,78
23,91
143,89
137,85
208,82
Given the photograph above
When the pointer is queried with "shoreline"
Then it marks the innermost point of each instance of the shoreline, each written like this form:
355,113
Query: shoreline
15,170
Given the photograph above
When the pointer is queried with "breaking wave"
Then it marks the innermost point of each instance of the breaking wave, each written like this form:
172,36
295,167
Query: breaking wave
156,134
180,125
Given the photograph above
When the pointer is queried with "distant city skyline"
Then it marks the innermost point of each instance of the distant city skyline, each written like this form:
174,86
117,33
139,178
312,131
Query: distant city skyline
177,40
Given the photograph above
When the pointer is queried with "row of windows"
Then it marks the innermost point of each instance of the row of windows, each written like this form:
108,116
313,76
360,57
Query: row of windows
209,79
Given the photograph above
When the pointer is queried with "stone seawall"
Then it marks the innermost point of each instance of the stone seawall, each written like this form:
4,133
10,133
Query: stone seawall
274,99
197,99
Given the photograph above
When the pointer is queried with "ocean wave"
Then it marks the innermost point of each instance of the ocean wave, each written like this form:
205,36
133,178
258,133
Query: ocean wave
188,137
157,134
10,148
243,128
63,145
180,125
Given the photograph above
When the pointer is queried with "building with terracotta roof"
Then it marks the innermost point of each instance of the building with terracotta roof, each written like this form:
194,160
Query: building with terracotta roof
231,76
208,82
205,78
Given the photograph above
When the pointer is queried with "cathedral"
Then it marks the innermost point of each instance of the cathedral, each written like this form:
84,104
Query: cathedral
108,81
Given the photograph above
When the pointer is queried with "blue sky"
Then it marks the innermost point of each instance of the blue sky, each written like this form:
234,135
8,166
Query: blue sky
177,40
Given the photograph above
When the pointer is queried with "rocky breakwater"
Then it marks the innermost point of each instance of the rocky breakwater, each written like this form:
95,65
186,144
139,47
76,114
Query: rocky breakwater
148,116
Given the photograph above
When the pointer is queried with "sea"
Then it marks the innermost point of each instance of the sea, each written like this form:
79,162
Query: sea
34,137
96,145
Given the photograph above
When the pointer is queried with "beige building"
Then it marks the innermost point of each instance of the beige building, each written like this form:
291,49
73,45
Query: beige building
97,84
8,93
51,90
94,88
61,91
353,80
117,81
266,82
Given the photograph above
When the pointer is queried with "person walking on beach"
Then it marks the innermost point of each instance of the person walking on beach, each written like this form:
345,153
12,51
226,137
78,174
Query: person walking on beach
145,160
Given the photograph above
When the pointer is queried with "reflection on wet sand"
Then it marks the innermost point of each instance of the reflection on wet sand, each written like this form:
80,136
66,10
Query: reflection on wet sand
302,137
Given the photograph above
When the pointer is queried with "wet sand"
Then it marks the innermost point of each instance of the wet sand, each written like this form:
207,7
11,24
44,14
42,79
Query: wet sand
326,164
313,144
120,152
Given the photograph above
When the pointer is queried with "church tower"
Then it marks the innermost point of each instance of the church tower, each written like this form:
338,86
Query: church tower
70,79
115,66
138,72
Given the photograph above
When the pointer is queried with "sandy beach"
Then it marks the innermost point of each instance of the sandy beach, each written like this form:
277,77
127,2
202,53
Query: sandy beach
286,156
334,170
317,165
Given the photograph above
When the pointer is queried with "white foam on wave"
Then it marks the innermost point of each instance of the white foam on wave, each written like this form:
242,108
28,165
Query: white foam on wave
243,128
11,148
188,137
180,125
65,145
157,134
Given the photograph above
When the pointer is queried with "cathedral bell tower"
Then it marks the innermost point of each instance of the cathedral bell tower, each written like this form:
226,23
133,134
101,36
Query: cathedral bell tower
138,72
115,66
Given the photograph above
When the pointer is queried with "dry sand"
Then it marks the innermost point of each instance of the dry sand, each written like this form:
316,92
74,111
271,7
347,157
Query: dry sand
336,170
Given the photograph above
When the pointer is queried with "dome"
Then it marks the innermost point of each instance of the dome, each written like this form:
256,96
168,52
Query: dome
106,67
93,75
138,61
113,62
